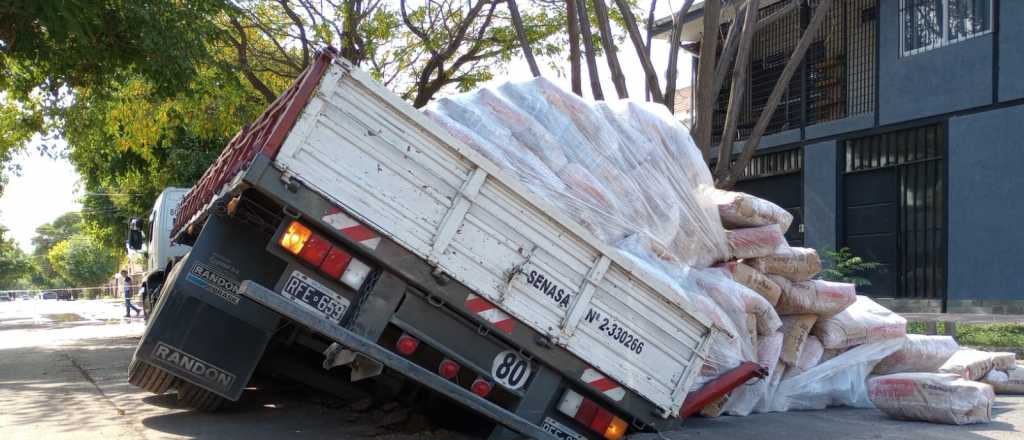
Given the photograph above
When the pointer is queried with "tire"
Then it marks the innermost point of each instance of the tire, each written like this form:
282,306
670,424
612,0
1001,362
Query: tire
198,398
149,302
150,378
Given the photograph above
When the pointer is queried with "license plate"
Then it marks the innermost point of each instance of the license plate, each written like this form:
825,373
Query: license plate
315,296
559,431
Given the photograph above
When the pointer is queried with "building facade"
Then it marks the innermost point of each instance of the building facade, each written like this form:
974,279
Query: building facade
900,137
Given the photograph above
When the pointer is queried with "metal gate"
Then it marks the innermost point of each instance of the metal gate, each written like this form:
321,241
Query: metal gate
778,177
895,210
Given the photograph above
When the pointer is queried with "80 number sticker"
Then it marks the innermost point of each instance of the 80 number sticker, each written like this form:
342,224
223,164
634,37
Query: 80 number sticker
511,370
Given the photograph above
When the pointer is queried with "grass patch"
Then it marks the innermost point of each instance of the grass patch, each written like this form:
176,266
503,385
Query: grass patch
980,335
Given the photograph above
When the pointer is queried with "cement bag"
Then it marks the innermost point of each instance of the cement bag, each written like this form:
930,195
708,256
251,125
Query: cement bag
862,322
796,264
822,298
754,242
919,354
736,299
830,353
795,329
839,381
1002,360
742,210
754,280
784,283
1010,381
744,399
809,356
932,397
969,363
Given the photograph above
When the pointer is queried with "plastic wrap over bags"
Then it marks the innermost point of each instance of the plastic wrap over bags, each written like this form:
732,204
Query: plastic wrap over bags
736,300
619,168
809,356
920,354
862,322
822,298
839,381
1010,381
932,397
754,242
741,210
796,264
795,328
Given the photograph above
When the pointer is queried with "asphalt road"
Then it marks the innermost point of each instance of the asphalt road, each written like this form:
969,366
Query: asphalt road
63,375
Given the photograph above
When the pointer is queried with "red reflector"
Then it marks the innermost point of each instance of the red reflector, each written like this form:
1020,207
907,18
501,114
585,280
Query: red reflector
601,420
407,344
481,387
588,409
448,369
315,250
335,263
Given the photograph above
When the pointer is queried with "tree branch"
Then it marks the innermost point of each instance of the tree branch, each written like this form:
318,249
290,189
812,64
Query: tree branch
573,26
524,42
739,83
242,46
736,169
672,72
705,77
610,51
588,50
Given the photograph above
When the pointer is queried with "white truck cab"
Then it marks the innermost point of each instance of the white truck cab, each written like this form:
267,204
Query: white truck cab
160,251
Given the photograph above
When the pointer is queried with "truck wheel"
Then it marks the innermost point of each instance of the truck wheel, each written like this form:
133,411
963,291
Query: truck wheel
198,398
150,378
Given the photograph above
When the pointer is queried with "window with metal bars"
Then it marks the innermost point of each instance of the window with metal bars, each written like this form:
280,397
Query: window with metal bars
930,24
894,210
837,78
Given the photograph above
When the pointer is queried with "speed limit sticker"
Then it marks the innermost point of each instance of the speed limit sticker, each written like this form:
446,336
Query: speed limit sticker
511,370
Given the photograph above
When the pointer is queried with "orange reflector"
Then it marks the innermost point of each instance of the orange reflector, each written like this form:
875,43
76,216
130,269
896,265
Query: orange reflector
616,429
294,239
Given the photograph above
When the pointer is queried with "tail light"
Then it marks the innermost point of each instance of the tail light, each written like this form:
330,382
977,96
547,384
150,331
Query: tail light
592,415
448,369
317,251
407,344
481,387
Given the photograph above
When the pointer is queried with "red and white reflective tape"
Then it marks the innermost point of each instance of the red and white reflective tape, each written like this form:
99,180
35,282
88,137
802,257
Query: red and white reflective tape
356,271
603,384
490,313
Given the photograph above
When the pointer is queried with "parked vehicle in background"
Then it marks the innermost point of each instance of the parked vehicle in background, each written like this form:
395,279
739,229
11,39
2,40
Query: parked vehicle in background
66,296
48,295
344,227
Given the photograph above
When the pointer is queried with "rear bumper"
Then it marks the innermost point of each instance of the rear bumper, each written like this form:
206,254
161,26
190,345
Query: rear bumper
279,304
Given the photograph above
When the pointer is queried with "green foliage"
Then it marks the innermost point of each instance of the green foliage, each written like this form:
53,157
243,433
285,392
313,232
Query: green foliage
15,266
979,335
47,236
845,267
83,261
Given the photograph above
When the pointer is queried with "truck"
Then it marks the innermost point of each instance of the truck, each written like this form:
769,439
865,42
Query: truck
343,226
160,251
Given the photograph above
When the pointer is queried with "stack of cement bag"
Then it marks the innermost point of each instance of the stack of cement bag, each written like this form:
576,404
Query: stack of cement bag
807,358
630,173
931,378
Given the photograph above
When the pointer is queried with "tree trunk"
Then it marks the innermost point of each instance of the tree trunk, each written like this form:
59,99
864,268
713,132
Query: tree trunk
573,25
732,40
739,83
588,50
647,49
524,42
736,169
610,51
672,72
705,78
642,52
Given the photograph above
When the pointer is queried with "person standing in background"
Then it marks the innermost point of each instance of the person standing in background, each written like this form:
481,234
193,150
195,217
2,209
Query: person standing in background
128,307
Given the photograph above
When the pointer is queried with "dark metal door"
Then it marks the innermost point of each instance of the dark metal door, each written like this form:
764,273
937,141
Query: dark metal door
778,177
894,210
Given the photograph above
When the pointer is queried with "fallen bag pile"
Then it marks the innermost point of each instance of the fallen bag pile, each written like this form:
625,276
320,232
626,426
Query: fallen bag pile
630,173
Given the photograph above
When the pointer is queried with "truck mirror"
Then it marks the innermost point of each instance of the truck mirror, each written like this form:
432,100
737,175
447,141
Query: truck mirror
135,238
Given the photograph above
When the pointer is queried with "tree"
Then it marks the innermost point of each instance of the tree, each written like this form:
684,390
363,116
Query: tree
83,261
48,48
14,264
47,236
